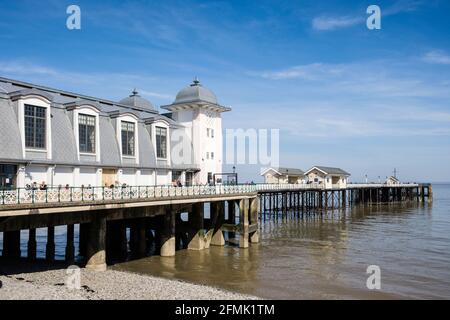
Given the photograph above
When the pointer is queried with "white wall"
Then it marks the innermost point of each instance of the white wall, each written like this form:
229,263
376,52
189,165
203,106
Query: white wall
128,176
36,174
88,176
63,176
163,177
146,178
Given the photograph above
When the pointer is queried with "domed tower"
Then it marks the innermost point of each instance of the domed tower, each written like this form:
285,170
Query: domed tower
136,101
197,109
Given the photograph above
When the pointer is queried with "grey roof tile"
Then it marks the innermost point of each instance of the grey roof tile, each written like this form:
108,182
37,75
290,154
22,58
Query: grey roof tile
63,140
10,142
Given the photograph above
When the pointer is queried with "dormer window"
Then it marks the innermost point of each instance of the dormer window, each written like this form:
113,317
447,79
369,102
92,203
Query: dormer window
161,142
128,138
86,132
35,127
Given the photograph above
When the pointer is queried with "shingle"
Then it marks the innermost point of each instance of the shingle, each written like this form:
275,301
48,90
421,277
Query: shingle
331,170
10,142
63,139
109,149
146,154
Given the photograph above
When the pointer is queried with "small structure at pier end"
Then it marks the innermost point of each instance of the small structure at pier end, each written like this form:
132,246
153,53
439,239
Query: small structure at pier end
328,177
392,181
283,175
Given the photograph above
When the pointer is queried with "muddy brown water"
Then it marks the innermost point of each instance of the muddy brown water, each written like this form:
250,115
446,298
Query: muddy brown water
320,255
325,256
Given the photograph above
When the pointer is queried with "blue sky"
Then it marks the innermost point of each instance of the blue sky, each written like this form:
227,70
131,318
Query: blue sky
342,95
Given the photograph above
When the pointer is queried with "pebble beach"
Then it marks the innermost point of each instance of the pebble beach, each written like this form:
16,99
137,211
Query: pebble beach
108,285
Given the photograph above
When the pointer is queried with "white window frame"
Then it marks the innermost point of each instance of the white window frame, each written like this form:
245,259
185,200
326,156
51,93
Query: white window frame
133,119
90,111
165,125
38,101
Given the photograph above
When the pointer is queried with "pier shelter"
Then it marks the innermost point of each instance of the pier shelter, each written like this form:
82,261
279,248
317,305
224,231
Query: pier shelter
328,177
283,175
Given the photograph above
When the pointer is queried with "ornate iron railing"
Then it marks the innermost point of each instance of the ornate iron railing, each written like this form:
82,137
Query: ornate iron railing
85,194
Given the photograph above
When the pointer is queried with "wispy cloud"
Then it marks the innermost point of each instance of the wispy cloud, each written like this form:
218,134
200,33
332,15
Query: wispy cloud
330,23
437,57
25,68
101,84
156,95
313,71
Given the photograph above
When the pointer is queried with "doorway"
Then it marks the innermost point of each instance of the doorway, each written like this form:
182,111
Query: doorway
109,177
8,176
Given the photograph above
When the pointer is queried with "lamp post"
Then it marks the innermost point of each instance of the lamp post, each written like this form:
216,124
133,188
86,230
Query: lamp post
366,179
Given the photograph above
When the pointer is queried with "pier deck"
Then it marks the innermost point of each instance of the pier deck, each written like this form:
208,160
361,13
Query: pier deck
153,215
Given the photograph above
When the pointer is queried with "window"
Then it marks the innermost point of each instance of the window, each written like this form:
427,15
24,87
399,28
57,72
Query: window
35,126
207,155
210,177
212,133
127,138
161,142
86,133
212,155
207,132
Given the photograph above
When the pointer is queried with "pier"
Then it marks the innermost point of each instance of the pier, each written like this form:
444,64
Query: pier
123,222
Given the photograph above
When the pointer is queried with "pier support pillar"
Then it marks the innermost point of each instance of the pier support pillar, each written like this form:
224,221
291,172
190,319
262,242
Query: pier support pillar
83,239
11,244
117,240
96,254
232,215
50,247
217,217
138,238
244,223
168,234
70,248
32,245
254,236
196,236
344,198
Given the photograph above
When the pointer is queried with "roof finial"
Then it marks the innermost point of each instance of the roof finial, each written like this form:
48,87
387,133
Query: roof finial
135,92
196,82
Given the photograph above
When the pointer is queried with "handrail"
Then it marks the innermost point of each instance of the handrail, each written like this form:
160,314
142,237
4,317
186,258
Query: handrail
89,194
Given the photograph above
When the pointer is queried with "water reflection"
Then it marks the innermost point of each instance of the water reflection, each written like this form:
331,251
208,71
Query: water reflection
324,254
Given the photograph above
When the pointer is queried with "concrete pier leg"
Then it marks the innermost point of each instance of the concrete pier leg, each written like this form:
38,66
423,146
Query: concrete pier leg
83,239
11,244
133,240
96,255
244,222
196,236
70,247
254,236
142,239
168,234
32,244
217,218
50,247
137,238
232,216
116,241
122,242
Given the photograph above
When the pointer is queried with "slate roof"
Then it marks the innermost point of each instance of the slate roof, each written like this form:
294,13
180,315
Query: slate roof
287,171
331,170
10,147
64,149
195,92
